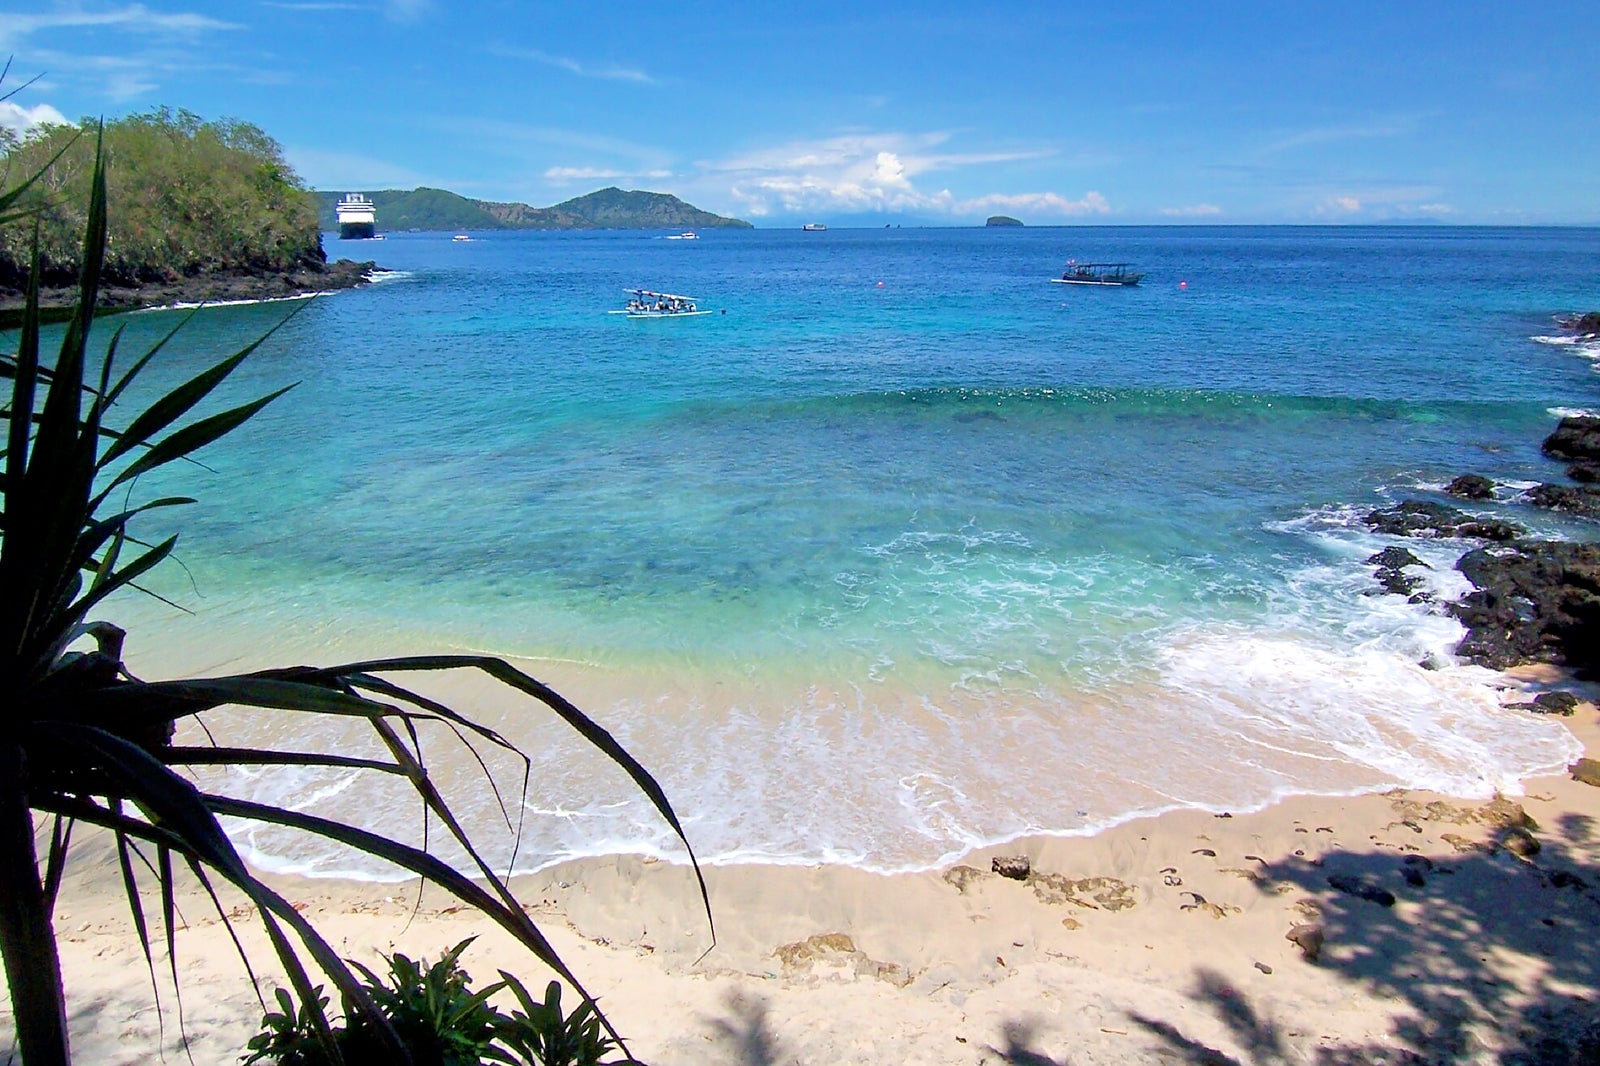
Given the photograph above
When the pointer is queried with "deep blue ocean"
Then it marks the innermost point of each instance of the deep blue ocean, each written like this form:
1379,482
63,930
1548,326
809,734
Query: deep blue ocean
904,550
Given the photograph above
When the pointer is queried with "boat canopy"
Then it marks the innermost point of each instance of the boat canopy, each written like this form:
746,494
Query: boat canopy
658,295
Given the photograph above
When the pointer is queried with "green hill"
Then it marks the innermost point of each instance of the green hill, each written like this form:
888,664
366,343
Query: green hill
438,209
186,198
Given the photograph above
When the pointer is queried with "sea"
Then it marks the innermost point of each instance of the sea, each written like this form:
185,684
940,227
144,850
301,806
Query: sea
902,552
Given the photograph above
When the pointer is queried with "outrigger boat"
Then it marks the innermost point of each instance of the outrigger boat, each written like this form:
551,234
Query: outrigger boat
1096,274
643,303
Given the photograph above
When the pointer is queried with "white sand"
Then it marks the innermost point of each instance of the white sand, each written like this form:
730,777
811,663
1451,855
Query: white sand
831,965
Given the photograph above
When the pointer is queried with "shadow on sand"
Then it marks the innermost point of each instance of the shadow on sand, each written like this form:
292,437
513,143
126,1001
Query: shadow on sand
1487,958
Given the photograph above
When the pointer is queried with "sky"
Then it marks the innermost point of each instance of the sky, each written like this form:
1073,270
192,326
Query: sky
1056,113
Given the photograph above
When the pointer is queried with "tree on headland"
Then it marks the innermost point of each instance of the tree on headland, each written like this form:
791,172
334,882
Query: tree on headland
85,742
185,196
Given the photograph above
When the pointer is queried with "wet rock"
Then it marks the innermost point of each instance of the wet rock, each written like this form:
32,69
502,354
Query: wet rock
1538,602
1308,937
1562,703
1577,437
1587,473
1362,888
1424,518
1016,867
1471,487
1392,563
1586,771
1582,500
1520,842
1585,325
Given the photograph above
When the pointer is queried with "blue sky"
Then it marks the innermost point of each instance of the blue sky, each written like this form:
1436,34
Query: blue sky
1065,112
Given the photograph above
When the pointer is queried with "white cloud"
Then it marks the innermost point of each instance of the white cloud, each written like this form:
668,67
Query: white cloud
135,18
1092,203
20,120
566,175
1434,210
1338,205
875,172
1192,211
572,66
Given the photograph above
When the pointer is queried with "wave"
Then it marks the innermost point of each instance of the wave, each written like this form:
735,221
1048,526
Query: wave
188,305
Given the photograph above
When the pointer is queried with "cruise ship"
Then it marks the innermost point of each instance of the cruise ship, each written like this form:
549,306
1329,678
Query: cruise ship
358,220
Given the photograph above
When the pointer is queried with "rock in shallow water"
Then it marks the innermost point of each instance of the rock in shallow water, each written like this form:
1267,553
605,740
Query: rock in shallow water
1471,487
1421,518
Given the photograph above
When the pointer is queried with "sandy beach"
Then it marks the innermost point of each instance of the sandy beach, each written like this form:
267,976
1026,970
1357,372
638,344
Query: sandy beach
1162,940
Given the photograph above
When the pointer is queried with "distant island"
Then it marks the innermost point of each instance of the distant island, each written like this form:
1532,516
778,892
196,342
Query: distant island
1002,220
611,208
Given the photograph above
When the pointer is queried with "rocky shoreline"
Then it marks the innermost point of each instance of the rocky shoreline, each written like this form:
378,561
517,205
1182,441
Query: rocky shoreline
218,287
1534,601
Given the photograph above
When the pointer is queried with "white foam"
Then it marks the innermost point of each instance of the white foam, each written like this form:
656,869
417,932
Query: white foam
184,305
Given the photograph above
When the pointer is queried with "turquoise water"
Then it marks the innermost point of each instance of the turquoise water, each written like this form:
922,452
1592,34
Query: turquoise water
905,550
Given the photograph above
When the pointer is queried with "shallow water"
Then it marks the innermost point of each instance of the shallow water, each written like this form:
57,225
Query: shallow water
907,551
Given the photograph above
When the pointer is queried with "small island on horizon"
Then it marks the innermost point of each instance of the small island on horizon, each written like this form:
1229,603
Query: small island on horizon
1002,221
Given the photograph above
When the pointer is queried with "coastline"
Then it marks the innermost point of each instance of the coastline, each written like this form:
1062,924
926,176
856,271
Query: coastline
1160,940
220,287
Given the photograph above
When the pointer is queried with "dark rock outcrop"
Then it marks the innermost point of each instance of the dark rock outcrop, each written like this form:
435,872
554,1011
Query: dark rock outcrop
1016,867
1588,473
1471,487
1420,518
1581,500
1537,602
217,287
1577,438
1392,563
1558,702
1002,220
1585,325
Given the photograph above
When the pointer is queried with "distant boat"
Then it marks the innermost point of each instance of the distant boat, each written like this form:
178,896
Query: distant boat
1078,273
686,235
646,303
814,227
461,237
358,219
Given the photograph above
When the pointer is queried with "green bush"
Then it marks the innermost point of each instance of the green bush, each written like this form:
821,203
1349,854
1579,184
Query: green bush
440,1021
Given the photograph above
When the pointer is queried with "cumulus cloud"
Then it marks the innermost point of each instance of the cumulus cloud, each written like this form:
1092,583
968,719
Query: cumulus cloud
22,120
876,172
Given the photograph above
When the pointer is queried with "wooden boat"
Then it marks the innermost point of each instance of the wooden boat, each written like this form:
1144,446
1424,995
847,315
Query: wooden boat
1078,273
647,303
